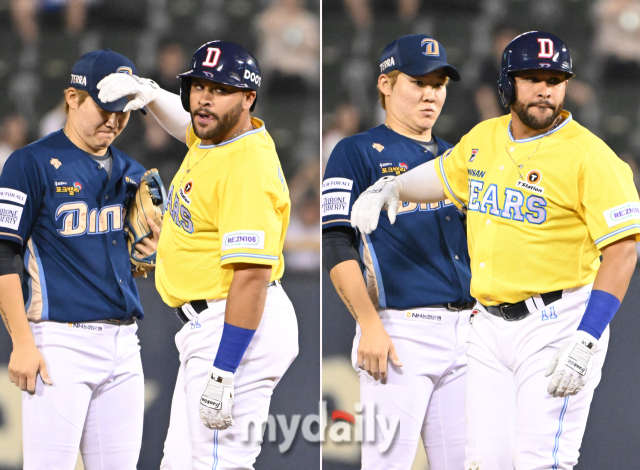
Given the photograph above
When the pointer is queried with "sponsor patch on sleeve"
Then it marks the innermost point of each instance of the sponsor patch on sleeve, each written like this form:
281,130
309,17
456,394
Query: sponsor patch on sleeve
336,203
622,213
243,239
13,195
337,183
10,216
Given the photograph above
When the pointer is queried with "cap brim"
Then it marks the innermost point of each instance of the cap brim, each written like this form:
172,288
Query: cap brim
112,107
423,68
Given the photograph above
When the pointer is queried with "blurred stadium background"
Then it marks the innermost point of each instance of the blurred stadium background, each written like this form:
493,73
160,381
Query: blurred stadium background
604,40
40,40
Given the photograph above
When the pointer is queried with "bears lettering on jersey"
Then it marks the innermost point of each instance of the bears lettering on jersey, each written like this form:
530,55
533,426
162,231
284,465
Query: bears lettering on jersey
179,213
515,205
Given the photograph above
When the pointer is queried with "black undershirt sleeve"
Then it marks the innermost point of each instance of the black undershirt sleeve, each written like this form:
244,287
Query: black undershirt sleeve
8,252
338,246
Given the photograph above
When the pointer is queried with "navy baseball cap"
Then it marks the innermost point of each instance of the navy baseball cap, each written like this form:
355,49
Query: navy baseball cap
415,55
93,67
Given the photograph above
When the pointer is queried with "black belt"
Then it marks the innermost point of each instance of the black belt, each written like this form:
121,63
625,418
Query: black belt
201,305
455,306
517,311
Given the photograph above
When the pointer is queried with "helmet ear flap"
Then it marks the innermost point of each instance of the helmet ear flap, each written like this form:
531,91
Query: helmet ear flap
185,92
507,90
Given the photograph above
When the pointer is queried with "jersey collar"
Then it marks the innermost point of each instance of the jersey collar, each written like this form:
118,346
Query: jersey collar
259,127
565,114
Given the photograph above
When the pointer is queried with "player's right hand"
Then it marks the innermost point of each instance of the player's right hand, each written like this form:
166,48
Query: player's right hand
24,365
384,194
373,350
141,91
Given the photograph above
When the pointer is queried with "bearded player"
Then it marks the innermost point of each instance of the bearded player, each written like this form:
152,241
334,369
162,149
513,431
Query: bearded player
544,199
413,305
220,259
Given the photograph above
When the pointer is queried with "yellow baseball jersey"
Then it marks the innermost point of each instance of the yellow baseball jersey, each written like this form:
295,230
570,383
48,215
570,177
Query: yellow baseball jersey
540,232
228,203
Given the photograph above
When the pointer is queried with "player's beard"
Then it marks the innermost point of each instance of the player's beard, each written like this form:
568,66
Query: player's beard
225,124
533,122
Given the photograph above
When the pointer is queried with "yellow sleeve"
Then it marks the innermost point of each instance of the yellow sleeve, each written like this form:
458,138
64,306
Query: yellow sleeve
251,214
608,197
451,168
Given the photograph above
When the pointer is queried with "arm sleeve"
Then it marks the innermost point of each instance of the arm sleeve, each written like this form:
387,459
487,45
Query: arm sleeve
168,111
8,252
338,246
608,197
451,168
252,211
345,178
20,197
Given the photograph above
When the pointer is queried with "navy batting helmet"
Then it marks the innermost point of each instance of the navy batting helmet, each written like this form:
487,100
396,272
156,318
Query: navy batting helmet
222,62
532,50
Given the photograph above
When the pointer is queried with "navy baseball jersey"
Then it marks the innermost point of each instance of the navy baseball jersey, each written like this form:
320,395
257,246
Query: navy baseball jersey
60,205
423,259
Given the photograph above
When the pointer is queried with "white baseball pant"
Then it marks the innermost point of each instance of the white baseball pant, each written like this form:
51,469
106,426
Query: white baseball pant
427,393
96,402
190,445
513,423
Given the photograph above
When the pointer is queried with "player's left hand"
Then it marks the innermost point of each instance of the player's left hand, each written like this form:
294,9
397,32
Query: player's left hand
141,91
571,365
217,399
149,244
384,194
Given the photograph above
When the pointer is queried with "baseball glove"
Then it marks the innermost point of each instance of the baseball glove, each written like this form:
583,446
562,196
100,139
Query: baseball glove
148,203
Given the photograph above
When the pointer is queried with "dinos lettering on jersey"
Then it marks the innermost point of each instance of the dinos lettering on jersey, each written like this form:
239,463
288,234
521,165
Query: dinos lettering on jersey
515,205
179,213
67,188
408,207
77,219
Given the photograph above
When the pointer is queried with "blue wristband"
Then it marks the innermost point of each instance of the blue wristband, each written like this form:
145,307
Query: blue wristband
600,310
234,343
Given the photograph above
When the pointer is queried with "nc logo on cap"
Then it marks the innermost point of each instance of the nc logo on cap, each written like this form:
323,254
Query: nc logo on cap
124,69
430,47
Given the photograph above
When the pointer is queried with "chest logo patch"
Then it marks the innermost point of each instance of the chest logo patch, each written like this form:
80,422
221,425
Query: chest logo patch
534,177
378,147
188,187
56,163
67,188
183,192
390,168
474,153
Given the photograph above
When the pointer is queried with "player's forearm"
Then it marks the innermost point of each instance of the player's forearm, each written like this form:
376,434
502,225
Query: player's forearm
618,263
167,109
12,310
348,281
421,185
247,295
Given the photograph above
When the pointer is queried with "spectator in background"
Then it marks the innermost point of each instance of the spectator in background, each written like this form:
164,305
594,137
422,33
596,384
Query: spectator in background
13,135
346,122
24,14
486,95
171,60
302,245
289,53
617,38
54,120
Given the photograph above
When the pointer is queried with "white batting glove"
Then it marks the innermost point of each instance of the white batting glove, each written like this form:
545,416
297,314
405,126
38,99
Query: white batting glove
384,194
141,91
217,399
571,365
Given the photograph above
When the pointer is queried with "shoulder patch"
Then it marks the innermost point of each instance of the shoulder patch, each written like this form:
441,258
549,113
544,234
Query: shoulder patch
13,195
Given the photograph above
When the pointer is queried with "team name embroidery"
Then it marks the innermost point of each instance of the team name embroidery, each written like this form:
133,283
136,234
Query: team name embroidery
476,173
179,213
513,207
77,219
